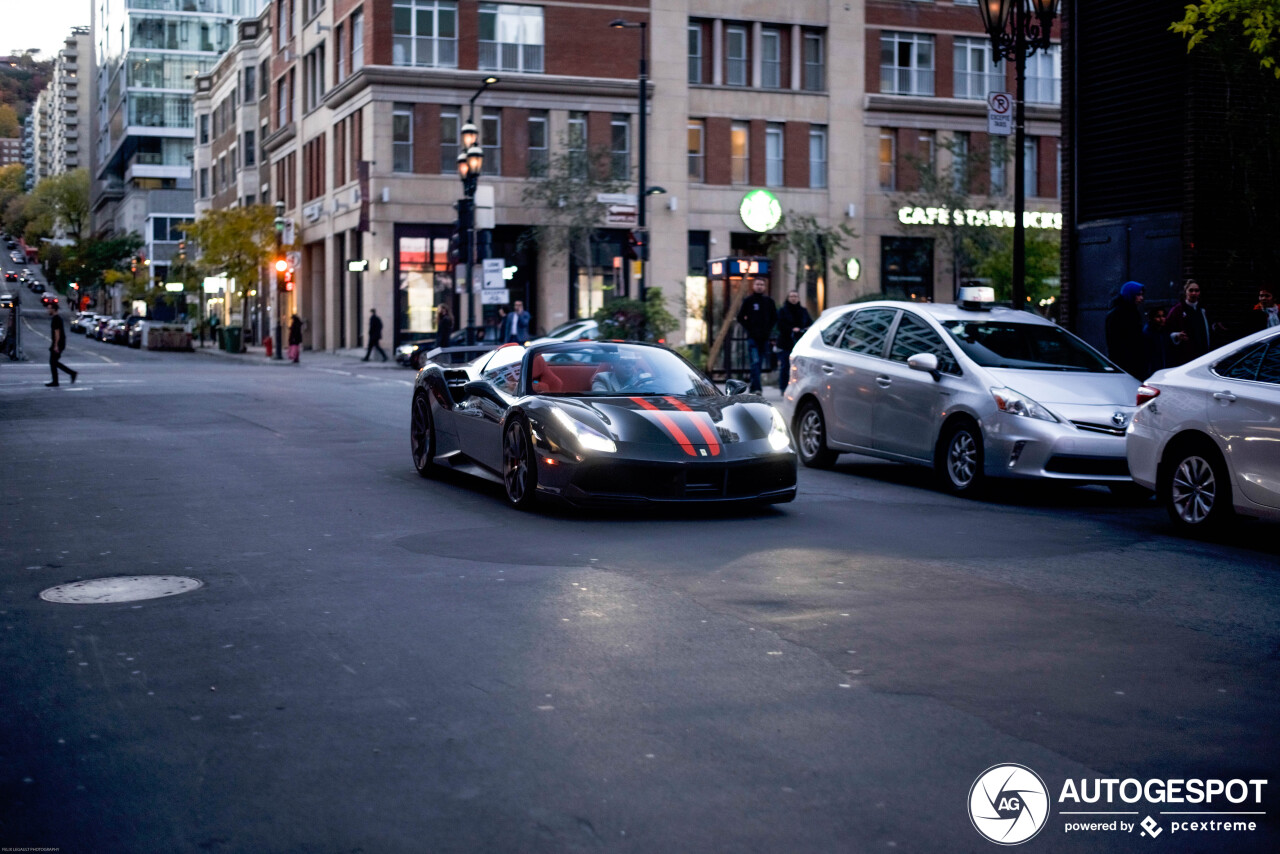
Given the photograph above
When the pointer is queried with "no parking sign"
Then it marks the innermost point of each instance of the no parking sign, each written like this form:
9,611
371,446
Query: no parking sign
999,113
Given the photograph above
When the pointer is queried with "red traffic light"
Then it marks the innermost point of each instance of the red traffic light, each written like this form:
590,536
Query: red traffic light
281,265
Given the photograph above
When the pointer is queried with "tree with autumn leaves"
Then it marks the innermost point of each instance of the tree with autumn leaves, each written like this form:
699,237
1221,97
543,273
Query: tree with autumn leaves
235,242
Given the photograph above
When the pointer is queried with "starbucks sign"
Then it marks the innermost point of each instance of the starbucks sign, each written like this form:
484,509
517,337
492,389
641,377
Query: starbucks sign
760,210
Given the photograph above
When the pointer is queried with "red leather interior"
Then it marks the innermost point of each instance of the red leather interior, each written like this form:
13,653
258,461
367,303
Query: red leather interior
562,378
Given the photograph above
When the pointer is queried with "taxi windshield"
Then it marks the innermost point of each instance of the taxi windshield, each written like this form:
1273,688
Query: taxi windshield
1025,346
584,368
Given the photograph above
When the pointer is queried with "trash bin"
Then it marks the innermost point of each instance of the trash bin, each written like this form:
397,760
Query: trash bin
231,338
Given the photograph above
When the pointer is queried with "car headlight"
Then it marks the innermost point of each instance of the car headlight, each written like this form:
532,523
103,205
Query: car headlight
589,438
1010,401
779,438
405,349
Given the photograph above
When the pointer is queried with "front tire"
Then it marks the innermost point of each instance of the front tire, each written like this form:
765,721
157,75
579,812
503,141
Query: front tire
1196,492
811,438
960,460
519,466
422,435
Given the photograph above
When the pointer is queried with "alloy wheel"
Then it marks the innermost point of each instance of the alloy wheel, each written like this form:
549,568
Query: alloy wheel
515,464
962,459
1194,490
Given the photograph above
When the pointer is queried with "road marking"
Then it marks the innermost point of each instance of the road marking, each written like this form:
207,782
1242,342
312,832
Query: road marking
331,371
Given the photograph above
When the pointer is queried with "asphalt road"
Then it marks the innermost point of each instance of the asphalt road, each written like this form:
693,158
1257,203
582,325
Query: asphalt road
379,663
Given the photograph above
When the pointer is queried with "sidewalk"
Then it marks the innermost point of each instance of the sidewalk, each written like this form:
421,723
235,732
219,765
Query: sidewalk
256,353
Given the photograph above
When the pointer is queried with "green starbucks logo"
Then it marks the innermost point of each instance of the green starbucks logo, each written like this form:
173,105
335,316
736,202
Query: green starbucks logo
760,210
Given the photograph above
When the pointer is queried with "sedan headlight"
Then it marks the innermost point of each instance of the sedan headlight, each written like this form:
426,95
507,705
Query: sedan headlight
405,349
779,438
588,438
1010,401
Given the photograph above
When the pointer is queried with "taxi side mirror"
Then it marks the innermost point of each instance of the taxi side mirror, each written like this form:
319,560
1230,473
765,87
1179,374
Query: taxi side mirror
926,362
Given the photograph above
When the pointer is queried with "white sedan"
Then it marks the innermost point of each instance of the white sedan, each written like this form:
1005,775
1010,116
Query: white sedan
1207,438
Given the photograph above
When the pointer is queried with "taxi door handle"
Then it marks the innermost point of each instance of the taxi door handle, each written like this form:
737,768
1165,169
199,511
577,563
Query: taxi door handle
883,381
1224,395
828,370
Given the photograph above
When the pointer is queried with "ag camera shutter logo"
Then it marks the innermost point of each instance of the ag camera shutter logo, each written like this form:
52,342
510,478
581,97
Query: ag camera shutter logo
1008,804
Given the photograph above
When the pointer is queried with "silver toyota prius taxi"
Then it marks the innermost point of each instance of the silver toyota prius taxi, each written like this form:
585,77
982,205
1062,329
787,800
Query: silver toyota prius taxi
974,391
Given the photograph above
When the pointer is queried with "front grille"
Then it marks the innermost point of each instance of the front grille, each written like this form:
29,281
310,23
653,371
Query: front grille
1109,429
659,481
1088,466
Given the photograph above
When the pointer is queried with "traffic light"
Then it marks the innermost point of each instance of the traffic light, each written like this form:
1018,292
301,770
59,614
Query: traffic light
133,264
288,279
637,246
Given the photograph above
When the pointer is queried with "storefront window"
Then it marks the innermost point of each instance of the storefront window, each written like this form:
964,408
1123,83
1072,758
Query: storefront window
424,281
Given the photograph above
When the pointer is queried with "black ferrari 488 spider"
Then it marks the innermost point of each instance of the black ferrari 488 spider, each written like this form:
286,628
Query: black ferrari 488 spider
599,422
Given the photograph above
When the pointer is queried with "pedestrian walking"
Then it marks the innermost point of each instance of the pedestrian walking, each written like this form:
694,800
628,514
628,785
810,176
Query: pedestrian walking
295,338
1125,344
1157,341
793,320
1190,331
758,316
57,343
515,326
213,331
1264,315
444,325
375,336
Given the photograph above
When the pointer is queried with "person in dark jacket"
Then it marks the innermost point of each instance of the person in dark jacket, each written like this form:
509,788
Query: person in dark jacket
1156,340
1264,315
57,343
375,336
793,320
1125,344
1191,334
444,325
295,338
758,316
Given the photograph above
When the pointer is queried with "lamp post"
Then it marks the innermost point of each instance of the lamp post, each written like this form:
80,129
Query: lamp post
1018,28
279,354
642,189
470,167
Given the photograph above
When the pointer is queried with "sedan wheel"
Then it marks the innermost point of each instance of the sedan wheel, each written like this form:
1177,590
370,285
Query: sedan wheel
960,463
422,436
519,467
1197,493
811,438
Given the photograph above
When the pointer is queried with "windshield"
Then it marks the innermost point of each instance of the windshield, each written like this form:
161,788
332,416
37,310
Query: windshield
584,368
1025,346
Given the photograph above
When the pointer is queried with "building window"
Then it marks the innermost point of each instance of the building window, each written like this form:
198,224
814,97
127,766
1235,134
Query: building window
539,151
357,41
739,155
402,138
888,159
204,183
735,54
697,150
282,102
817,157
927,150
491,141
577,145
620,147
960,162
1030,160
1044,76
340,53
771,59
263,78
814,63
204,128
250,149
906,64
449,141
695,53
999,165
250,83
424,33
511,37
313,8
773,155
975,75
313,79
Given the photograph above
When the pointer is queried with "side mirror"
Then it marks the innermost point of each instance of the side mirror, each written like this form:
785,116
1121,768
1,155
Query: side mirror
735,387
479,388
926,362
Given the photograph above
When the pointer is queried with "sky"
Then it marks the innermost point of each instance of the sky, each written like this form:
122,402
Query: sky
42,24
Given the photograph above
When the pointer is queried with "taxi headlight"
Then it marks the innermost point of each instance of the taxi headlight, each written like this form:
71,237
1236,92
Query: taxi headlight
588,438
779,438
1010,401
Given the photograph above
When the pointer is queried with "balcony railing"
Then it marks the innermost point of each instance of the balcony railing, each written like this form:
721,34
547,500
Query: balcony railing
507,56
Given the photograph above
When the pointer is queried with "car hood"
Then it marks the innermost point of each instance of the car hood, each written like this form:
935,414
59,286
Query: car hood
698,422
1070,387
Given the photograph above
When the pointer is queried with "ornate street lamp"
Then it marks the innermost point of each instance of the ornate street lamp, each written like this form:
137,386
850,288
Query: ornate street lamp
470,167
643,27
1018,28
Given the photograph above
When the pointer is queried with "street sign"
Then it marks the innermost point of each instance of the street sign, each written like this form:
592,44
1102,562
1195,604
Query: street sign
288,234
495,296
622,215
999,113
616,198
492,273
294,258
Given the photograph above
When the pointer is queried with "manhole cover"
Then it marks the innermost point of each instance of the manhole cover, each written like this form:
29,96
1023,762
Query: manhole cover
124,588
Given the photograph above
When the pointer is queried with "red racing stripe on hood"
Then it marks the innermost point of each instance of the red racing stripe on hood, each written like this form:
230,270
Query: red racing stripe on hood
673,429
707,429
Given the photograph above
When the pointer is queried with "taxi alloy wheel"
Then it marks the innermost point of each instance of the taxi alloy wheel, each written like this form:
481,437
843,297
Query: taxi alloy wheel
1197,492
422,436
519,466
961,460
811,438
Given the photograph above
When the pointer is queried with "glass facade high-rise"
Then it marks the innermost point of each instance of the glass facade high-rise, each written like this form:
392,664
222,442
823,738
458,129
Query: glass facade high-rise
147,54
